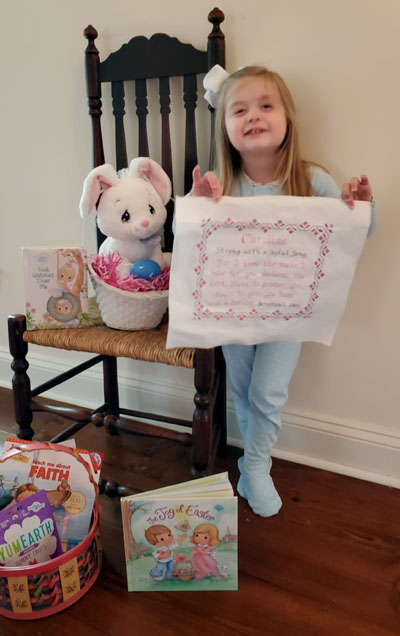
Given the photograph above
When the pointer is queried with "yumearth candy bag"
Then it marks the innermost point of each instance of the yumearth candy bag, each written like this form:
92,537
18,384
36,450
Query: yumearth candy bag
28,533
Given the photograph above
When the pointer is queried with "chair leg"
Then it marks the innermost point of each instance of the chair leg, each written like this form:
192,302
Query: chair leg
220,403
202,428
21,384
111,396
209,429
202,436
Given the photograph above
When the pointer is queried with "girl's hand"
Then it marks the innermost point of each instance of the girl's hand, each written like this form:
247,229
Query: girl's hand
206,186
357,190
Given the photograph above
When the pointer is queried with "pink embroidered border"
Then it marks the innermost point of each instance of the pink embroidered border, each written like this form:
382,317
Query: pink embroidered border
321,232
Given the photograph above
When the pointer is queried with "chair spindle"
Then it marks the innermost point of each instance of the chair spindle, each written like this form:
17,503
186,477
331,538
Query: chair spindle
165,102
190,100
92,60
142,112
118,102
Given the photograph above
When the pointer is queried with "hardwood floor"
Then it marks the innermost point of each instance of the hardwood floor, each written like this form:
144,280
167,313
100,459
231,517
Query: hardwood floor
327,565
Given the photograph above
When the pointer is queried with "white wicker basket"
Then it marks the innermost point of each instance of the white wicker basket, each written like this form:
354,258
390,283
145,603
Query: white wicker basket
128,310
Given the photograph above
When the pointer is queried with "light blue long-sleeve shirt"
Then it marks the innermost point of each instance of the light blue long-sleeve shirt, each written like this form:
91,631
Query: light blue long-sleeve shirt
322,182
323,185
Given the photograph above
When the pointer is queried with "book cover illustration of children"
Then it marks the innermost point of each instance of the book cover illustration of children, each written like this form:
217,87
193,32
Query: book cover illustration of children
56,287
167,549
162,537
205,537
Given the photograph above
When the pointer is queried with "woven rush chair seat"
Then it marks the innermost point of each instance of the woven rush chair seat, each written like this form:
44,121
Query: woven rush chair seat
144,79
147,345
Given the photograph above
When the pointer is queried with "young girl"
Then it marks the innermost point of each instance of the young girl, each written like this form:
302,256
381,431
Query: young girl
205,537
257,153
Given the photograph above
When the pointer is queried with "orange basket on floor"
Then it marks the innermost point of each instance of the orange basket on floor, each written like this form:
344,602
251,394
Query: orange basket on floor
40,590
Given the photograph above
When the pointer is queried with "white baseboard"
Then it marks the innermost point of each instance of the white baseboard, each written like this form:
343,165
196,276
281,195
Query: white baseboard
345,447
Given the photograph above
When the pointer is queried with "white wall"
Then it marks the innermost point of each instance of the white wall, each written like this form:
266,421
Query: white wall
340,59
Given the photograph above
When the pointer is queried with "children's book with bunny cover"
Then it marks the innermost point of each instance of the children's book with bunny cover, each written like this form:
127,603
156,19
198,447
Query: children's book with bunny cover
182,537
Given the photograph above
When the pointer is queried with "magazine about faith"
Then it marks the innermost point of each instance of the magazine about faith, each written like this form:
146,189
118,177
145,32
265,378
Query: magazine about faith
65,480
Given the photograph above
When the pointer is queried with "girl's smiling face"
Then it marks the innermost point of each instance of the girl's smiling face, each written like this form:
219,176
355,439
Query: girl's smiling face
255,117
201,537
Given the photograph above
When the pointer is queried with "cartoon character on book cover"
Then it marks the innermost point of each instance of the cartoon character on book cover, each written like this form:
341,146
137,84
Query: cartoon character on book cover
56,287
188,544
163,540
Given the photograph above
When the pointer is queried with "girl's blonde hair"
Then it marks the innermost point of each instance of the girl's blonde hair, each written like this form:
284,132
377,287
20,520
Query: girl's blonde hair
207,528
292,171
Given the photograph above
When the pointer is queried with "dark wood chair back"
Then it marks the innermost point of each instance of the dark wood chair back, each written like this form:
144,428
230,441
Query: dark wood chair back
142,59
138,63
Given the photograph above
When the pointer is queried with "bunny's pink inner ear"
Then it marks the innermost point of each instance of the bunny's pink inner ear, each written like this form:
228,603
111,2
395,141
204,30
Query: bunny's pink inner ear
98,180
98,185
157,177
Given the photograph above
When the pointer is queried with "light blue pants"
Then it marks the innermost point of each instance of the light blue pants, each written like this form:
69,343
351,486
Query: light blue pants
162,570
260,376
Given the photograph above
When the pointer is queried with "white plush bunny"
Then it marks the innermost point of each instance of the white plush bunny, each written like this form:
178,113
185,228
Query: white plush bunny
130,209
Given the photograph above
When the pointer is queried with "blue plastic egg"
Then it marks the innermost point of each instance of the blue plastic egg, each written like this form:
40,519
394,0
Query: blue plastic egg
145,269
